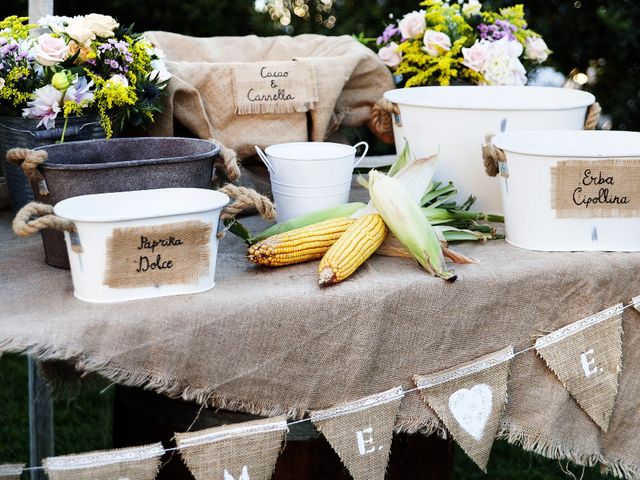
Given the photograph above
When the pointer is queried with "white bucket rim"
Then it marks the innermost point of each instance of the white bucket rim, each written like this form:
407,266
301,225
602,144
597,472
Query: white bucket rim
309,187
276,151
572,98
137,208
320,195
553,143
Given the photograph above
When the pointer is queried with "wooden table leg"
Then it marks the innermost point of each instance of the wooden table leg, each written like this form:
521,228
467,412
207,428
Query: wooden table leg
40,420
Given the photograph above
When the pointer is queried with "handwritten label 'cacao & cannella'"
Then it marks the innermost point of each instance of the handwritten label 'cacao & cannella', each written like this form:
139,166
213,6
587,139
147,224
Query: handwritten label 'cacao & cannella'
170,254
596,188
274,87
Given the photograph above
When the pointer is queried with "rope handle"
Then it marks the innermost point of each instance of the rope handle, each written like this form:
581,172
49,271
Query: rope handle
36,216
381,121
29,160
492,156
228,162
245,198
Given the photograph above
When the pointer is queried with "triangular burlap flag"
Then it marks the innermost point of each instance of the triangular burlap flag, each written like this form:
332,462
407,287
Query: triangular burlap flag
361,432
245,451
11,471
636,302
137,463
587,357
469,400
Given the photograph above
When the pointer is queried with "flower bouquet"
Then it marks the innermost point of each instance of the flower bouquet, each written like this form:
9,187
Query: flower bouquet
461,43
79,66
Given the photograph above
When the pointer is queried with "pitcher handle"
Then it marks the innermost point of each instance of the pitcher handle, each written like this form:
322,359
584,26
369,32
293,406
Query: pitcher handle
265,159
366,149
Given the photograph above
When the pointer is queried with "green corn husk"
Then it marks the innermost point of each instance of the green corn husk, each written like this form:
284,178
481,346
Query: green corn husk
405,219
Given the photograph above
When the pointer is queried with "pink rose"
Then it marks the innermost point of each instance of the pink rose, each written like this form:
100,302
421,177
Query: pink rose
536,50
475,57
390,55
413,24
51,50
436,43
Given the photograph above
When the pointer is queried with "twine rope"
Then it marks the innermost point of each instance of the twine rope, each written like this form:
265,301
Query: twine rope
36,216
245,198
381,122
29,160
228,162
304,420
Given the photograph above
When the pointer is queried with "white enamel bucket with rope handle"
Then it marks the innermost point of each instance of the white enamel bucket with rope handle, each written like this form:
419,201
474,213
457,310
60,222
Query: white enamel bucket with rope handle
134,245
453,122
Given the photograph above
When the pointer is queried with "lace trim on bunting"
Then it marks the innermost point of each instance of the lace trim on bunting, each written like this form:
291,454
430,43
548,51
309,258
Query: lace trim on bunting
358,405
456,373
100,459
578,326
10,469
232,433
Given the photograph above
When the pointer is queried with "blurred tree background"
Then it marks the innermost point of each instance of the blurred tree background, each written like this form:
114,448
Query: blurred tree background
596,37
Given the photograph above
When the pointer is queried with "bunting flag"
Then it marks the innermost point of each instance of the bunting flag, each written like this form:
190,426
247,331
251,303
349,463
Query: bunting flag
586,356
469,401
11,471
137,463
246,451
361,432
635,301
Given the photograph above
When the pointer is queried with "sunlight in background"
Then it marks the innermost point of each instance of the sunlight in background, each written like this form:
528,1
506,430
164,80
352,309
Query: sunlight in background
283,12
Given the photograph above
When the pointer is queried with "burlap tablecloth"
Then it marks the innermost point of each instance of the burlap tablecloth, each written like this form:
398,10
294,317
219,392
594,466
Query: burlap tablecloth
271,342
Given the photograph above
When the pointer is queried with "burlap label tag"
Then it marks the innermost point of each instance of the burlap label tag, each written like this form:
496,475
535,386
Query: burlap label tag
469,401
361,432
137,463
171,254
11,471
596,189
586,356
274,87
246,451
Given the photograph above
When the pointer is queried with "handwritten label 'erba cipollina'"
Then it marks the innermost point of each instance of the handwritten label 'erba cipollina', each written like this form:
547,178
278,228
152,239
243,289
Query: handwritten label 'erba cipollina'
168,254
274,87
596,189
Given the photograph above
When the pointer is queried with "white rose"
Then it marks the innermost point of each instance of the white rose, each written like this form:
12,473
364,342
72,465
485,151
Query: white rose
120,79
54,22
390,55
50,50
436,43
471,8
500,68
511,48
102,25
159,71
476,56
413,24
80,31
536,49
1,83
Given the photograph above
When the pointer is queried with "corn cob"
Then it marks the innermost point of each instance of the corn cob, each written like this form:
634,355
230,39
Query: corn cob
358,243
298,245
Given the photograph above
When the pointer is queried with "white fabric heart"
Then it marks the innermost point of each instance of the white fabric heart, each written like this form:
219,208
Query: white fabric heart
472,408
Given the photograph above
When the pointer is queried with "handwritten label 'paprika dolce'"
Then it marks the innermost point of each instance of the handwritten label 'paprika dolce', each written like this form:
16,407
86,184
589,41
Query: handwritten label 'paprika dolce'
596,188
171,254
274,87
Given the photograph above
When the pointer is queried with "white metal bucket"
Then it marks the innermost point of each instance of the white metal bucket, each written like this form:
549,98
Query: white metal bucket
142,244
453,122
292,204
554,196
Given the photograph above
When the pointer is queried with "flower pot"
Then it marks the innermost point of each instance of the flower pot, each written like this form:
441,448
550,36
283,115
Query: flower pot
23,132
454,121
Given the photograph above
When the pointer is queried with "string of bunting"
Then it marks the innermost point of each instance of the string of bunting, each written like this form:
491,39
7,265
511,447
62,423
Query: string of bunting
585,356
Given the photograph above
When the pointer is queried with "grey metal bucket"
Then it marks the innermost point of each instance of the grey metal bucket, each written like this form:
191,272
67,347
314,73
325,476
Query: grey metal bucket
120,165
23,132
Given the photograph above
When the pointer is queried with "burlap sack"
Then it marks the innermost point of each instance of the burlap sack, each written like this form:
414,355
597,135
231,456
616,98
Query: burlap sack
234,452
361,432
469,400
346,77
587,358
11,471
136,463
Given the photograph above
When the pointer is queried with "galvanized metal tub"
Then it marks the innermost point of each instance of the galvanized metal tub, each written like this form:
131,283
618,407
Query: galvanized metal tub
120,165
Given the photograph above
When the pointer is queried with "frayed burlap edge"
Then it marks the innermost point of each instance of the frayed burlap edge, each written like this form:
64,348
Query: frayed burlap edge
521,436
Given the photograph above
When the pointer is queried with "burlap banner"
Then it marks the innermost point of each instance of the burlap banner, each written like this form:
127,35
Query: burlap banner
137,463
11,471
274,87
246,451
587,357
469,401
361,432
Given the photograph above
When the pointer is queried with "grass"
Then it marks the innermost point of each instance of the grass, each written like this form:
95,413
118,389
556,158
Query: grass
83,423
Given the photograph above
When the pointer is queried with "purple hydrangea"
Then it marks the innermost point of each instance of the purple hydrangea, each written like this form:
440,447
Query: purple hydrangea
499,29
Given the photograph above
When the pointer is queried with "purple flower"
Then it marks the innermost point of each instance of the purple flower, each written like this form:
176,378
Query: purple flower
499,29
79,92
389,32
45,106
